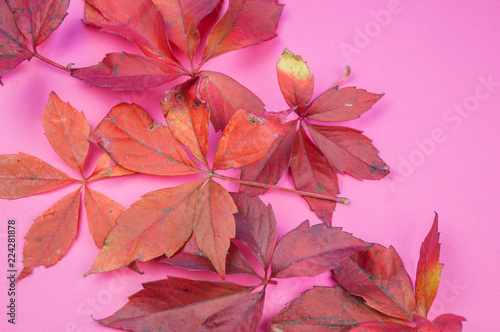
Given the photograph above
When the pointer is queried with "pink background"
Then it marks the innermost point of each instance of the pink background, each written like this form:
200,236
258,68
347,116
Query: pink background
429,58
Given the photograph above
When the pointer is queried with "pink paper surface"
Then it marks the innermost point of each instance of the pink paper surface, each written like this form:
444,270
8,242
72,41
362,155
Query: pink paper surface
437,127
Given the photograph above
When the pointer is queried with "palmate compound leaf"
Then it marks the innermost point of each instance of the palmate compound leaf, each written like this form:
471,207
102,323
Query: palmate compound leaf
175,304
51,234
310,250
379,277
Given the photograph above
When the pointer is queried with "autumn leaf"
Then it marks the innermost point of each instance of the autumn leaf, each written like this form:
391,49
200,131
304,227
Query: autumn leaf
23,175
384,327
428,270
379,277
245,23
107,168
51,234
174,304
449,322
310,250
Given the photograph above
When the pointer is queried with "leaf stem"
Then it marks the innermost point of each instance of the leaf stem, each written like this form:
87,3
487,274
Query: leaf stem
346,75
50,62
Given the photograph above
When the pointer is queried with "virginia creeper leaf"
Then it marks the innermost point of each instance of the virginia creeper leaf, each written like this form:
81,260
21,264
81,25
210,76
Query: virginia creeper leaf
38,18
246,23
384,327
378,276
349,151
136,20
295,80
23,175
214,224
159,223
181,21
187,118
325,309
256,227
310,250
174,304
107,168
449,323
137,143
342,105
224,97
311,172
51,234
428,270
126,71
102,213
242,315
246,139
67,131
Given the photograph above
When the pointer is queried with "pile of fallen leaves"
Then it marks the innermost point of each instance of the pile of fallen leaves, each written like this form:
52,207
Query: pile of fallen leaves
199,225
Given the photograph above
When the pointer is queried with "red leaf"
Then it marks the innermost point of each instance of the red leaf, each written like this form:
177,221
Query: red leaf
224,97
242,315
341,105
349,151
311,172
295,80
256,227
273,165
449,323
379,277
137,143
428,270
310,250
246,23
384,327
181,21
187,118
23,175
159,223
214,224
67,131
107,168
174,304
38,18
13,50
136,20
424,325
325,309
102,213
125,71
246,139
51,234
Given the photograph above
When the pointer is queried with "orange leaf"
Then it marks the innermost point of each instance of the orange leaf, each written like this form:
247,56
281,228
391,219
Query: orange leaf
67,131
295,79
23,175
428,270
246,139
214,224
107,168
51,234
137,143
159,223
246,23
224,97
102,213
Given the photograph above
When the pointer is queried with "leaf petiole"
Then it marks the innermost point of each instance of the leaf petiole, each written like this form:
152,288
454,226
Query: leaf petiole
50,62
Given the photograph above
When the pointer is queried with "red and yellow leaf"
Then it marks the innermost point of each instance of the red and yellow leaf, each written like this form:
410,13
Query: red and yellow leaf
379,277
224,97
51,234
311,172
310,250
174,304
428,270
157,224
246,23
137,143
23,175
341,105
108,168
295,80
102,213
67,131
214,224
246,139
